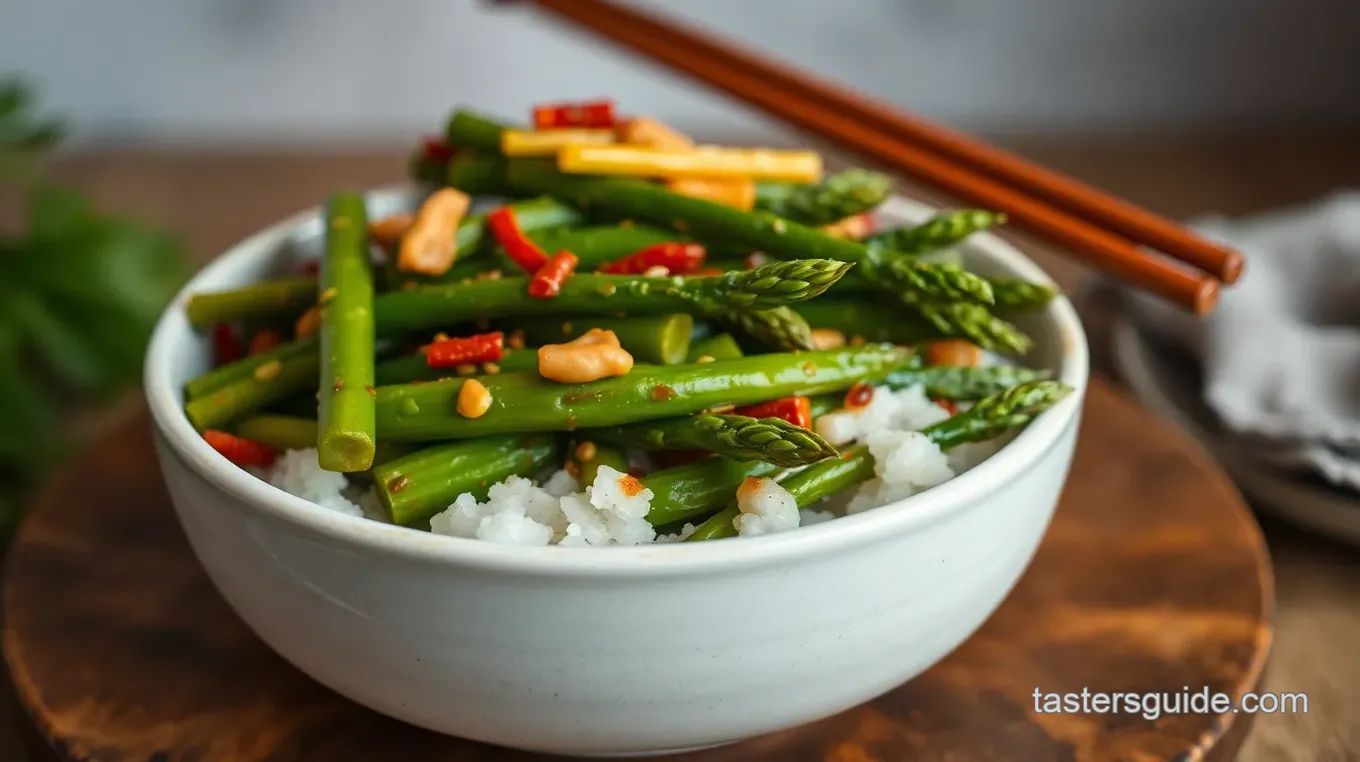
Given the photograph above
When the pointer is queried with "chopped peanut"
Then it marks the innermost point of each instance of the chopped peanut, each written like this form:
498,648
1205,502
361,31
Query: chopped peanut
473,399
656,271
854,227
739,192
590,357
308,324
586,451
430,244
827,338
955,352
652,134
387,232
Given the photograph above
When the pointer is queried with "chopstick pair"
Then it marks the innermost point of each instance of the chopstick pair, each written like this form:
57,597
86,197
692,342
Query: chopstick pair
1109,234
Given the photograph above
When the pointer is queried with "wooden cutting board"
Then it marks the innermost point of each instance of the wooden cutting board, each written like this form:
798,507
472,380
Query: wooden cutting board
1152,578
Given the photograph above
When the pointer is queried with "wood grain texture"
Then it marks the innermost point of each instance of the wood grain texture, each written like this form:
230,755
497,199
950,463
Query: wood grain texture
1152,577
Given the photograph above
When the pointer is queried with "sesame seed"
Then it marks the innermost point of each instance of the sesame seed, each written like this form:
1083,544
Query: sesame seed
268,371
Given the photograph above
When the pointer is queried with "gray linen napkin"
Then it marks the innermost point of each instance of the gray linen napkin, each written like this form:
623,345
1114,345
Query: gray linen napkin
1280,356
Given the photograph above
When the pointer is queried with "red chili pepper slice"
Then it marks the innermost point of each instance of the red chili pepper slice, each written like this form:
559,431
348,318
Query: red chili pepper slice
505,229
264,340
948,406
238,450
859,395
795,410
547,281
678,258
436,150
484,347
226,345
597,114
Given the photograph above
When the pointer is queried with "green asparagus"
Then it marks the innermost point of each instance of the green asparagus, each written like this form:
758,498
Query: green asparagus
838,196
415,487
244,368
413,367
273,299
526,402
807,486
288,432
908,326
657,339
699,488
718,347
1019,295
274,381
467,129
912,281
736,436
992,417
444,304
345,440
599,245
477,174
939,232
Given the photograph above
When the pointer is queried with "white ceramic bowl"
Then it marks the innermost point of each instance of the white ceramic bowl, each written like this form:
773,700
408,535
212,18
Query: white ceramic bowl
616,651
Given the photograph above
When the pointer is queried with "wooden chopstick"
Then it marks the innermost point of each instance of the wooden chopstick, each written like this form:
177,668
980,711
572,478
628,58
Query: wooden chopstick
1139,225
1119,257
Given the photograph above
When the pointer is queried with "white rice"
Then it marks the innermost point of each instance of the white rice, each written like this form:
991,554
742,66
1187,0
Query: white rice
297,472
904,410
765,507
611,511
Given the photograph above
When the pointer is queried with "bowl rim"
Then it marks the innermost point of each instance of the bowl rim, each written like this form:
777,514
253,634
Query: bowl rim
1031,445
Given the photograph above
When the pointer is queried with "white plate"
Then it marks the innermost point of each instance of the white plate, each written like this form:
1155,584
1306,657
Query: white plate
1166,384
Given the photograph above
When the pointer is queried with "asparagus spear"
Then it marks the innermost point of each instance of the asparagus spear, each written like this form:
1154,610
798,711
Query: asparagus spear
912,281
477,174
1019,295
807,486
698,488
245,367
526,402
944,382
413,367
267,299
415,487
444,304
961,384
718,347
998,414
657,339
288,432
907,326
1010,294
274,381
737,436
346,437
467,129
600,245
941,231
836,197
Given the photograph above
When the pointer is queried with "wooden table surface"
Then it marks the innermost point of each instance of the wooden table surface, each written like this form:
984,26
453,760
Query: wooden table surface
214,200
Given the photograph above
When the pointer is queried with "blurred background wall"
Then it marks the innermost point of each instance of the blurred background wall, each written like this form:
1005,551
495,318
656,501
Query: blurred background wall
307,71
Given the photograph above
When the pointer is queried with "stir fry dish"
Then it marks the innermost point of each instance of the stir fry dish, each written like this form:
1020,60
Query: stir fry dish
593,331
